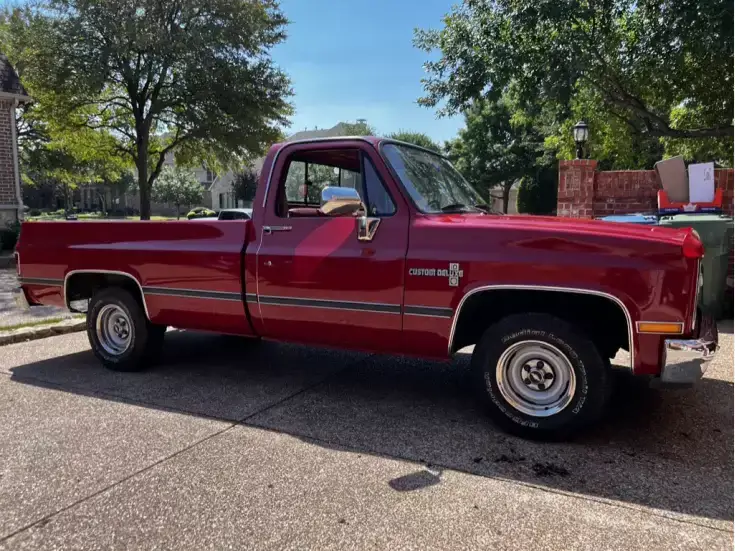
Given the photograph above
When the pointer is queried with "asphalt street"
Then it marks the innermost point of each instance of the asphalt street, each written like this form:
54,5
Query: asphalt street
237,445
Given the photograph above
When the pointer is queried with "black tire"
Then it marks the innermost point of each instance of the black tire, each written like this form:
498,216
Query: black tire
563,346
145,340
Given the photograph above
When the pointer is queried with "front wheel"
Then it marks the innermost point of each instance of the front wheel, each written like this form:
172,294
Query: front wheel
121,336
540,377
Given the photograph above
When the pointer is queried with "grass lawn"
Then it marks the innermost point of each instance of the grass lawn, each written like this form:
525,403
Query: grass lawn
38,323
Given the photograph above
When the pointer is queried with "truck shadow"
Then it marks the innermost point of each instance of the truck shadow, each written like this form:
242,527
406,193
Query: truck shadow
671,451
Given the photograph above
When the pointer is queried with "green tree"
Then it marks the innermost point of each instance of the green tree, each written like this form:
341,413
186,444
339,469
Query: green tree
537,193
183,76
245,184
416,138
50,155
493,150
359,128
657,69
177,186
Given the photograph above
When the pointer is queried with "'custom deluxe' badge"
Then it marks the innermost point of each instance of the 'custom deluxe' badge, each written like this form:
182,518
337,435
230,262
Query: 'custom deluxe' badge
454,274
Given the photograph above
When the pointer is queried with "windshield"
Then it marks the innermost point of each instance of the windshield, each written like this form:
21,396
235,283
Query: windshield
432,182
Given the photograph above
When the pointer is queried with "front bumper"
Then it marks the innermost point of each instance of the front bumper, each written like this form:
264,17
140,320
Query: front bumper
685,361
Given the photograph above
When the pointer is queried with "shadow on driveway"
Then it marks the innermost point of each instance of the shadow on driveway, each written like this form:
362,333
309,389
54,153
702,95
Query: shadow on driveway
669,450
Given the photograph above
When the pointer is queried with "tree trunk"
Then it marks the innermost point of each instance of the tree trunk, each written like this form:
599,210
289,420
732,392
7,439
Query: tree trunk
101,197
178,211
142,166
506,197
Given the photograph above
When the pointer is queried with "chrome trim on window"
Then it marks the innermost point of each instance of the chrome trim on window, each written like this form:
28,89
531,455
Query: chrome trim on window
575,290
296,142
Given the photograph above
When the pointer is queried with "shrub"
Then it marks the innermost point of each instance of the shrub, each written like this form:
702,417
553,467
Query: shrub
34,212
9,236
538,195
200,212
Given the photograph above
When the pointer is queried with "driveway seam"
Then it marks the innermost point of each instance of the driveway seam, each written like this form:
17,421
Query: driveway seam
305,389
117,482
320,441
175,454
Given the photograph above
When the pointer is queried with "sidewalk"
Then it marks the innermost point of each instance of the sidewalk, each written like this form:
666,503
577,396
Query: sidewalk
11,315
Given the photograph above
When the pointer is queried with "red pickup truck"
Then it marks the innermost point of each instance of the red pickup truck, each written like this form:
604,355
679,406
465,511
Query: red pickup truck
377,245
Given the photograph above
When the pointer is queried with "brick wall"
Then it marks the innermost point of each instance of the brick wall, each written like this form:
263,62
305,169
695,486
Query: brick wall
586,193
8,196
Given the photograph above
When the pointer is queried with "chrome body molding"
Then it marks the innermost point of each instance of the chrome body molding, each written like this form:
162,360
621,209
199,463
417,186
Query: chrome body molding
375,307
40,281
573,290
428,311
106,272
192,293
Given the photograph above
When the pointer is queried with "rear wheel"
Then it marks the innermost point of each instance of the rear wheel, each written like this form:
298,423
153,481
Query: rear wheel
540,377
119,333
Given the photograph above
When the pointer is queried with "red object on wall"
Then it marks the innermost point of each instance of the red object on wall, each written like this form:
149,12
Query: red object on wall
586,193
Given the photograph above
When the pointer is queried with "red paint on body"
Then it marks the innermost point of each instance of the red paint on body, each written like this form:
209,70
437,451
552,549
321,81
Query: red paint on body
320,259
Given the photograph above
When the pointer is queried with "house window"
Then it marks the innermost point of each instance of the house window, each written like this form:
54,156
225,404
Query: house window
210,176
221,200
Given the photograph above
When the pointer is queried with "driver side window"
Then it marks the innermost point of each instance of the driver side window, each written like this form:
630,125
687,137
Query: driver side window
309,172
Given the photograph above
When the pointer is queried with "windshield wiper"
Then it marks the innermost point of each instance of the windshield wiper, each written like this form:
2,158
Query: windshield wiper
486,208
461,207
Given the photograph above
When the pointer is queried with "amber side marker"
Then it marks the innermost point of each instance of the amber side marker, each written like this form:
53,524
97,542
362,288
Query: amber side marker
660,327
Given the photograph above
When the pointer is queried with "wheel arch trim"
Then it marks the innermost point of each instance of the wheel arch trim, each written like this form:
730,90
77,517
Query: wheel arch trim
106,272
572,290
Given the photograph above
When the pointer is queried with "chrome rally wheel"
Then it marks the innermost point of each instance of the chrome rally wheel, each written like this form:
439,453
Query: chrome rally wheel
536,378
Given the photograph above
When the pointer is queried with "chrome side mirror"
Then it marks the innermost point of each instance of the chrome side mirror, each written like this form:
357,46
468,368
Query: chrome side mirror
340,201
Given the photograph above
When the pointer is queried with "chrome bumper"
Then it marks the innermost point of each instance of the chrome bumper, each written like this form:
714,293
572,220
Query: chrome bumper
21,301
685,361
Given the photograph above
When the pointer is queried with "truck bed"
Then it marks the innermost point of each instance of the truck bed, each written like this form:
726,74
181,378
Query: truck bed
191,275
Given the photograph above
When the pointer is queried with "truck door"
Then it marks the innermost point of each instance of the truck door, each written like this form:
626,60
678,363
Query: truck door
316,282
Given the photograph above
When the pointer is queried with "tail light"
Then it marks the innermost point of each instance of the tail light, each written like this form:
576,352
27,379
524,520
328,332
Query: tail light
692,246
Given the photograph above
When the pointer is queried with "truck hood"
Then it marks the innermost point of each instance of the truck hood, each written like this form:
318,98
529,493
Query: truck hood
560,225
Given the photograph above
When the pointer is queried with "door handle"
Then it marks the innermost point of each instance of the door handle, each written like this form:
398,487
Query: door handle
268,263
271,229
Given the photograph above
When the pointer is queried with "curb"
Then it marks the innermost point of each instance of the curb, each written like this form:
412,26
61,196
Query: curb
25,334
7,261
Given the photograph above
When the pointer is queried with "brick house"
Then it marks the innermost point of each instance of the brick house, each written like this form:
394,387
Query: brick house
12,94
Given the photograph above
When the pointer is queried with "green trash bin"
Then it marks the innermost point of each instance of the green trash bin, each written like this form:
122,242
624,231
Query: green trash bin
716,233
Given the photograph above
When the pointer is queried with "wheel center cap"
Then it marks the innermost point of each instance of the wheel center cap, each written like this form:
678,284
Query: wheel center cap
536,376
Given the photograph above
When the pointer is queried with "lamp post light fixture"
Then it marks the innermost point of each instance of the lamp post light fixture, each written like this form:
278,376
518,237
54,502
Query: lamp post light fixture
580,132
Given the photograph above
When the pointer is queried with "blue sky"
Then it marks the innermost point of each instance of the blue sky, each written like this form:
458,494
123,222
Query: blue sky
352,59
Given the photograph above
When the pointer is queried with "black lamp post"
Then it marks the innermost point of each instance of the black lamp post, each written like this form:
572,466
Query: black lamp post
580,132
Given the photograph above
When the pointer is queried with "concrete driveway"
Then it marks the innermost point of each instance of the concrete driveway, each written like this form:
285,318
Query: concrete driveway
237,445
